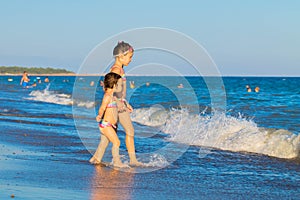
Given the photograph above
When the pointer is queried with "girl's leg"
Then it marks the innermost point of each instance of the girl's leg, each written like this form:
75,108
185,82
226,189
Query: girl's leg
98,155
125,121
110,133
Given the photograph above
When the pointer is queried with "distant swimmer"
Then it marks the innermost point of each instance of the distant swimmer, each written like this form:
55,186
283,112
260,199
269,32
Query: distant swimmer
180,85
34,83
248,88
257,89
132,85
92,83
101,84
147,84
24,80
46,79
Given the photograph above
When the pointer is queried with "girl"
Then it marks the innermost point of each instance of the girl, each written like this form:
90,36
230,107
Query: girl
123,53
107,118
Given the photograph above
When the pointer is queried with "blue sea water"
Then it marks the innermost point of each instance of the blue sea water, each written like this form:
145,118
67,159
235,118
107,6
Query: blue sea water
202,141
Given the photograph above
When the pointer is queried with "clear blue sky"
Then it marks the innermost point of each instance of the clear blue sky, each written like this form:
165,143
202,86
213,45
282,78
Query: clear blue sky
257,37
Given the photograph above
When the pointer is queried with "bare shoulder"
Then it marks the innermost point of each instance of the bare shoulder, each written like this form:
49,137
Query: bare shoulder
116,70
106,98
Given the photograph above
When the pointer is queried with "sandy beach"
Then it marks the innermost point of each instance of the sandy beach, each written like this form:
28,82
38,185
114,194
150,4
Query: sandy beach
31,174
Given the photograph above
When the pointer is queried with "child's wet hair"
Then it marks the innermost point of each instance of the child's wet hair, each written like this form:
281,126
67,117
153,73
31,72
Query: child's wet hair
110,80
122,48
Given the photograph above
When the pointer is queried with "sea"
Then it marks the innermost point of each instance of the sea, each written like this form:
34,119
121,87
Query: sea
208,139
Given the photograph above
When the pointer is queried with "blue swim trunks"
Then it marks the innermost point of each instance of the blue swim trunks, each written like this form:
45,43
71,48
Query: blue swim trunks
24,84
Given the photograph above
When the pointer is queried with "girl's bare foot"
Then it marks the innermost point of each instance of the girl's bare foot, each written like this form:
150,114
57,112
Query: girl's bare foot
94,161
119,164
136,163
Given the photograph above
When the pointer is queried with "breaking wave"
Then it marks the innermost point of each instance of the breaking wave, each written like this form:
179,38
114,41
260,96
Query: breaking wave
220,131
57,98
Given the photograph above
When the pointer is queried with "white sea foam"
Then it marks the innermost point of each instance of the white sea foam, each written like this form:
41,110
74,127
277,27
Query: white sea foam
57,98
220,131
157,160
50,97
88,104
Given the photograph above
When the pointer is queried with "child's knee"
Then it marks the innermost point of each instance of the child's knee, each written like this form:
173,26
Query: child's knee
129,137
129,132
117,143
104,143
104,139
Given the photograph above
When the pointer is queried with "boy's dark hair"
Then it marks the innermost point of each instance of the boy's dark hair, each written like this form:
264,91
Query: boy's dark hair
110,80
122,48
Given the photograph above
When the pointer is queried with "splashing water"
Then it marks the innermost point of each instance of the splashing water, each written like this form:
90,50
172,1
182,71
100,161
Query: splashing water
56,98
221,132
157,160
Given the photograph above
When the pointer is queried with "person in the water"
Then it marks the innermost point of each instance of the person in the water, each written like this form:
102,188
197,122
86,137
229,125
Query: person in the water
248,88
107,118
123,53
132,85
34,83
46,80
25,80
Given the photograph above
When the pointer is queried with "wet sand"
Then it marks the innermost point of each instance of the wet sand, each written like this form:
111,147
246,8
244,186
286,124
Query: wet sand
36,175
28,173
31,175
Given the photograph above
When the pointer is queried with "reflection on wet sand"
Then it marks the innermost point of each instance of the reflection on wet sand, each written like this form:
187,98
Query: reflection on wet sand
109,183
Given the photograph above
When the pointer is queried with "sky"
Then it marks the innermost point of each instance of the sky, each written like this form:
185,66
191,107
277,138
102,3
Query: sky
242,37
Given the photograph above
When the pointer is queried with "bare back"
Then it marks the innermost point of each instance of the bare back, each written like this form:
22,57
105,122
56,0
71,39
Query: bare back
122,92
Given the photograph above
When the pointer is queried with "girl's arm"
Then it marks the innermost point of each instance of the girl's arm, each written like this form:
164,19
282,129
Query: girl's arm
127,105
124,89
105,101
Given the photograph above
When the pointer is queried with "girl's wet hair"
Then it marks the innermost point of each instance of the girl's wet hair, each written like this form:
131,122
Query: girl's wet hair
122,48
110,80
